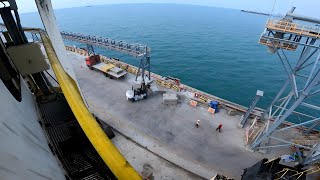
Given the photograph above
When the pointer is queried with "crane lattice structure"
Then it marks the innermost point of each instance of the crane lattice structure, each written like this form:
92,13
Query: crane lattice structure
298,90
135,50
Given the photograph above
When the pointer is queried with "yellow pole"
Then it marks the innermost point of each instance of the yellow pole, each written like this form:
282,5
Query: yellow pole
107,151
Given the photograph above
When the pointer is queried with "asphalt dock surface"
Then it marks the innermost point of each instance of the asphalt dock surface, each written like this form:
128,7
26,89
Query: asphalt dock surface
168,131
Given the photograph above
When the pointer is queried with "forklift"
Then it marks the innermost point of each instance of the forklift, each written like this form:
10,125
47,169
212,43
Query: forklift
138,93
142,79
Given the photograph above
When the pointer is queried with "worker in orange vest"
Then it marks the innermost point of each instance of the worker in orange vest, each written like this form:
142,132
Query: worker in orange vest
219,127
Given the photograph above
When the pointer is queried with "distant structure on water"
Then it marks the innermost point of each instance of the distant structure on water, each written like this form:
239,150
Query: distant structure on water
255,12
261,13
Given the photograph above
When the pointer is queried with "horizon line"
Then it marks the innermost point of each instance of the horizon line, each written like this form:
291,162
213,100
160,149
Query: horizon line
134,3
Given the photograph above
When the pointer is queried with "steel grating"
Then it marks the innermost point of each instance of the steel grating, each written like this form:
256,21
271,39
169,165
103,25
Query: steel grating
68,141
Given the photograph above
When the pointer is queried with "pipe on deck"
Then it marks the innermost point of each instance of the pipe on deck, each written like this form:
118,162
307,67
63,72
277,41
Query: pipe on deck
303,18
103,145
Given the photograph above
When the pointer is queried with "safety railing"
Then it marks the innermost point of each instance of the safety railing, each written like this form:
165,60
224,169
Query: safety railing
278,44
286,26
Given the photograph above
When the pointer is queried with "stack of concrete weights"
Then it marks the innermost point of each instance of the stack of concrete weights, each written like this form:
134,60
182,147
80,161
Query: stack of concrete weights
170,99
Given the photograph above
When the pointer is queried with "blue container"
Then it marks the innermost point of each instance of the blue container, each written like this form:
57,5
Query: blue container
214,105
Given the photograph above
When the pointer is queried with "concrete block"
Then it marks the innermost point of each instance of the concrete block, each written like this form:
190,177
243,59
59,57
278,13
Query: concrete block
170,99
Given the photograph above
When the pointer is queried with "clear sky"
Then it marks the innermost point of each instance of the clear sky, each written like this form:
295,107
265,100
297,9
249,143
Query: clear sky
306,7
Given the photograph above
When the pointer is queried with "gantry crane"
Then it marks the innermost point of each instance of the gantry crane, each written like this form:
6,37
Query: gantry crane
301,86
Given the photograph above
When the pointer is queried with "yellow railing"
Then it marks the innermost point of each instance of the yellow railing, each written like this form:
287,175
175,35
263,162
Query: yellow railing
293,28
103,145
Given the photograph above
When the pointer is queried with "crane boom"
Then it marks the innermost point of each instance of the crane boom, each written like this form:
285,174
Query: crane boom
136,50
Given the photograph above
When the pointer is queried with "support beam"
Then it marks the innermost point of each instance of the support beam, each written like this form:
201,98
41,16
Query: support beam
90,50
313,159
251,107
281,106
11,26
284,87
310,106
303,76
312,70
286,102
298,145
289,71
314,93
308,131
41,83
9,75
288,112
275,146
143,67
317,120
303,57
298,113
288,41
301,66
314,155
